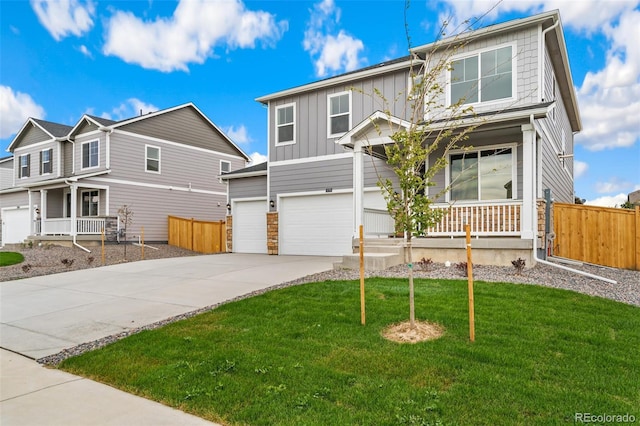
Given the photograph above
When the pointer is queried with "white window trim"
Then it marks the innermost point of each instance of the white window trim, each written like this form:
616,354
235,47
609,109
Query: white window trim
279,107
227,162
333,95
82,155
146,159
50,161
478,149
514,74
82,202
20,175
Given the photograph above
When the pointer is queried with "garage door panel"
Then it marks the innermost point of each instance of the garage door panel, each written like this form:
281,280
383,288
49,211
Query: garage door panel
250,227
16,226
319,225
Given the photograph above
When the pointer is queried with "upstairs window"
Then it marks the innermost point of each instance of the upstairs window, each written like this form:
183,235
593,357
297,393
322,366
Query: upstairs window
339,121
285,124
24,167
484,77
225,166
487,174
90,154
152,159
45,161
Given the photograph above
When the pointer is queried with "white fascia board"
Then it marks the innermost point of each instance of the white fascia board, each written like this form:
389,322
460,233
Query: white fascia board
310,159
243,175
344,78
33,122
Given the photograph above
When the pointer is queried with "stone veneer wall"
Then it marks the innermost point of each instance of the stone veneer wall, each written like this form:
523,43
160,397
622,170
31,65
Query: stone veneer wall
229,233
272,232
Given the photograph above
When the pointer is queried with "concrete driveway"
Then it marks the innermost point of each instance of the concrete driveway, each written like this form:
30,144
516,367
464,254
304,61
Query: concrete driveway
44,315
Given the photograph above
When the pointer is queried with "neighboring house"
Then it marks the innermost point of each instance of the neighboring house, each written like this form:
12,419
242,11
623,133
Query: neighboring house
319,185
67,183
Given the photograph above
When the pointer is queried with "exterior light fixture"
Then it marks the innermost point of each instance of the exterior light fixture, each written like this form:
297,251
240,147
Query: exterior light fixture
272,203
229,207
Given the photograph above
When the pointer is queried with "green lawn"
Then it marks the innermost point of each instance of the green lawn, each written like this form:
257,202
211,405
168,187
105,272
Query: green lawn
8,258
300,356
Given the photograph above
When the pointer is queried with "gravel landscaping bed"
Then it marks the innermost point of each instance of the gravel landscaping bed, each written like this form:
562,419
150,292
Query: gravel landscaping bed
49,260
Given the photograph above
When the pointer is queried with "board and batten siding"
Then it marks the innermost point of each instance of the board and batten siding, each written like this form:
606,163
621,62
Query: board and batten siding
312,114
184,125
180,166
152,206
249,187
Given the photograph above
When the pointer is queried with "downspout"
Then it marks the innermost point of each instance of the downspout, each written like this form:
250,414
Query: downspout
543,56
535,236
74,236
107,131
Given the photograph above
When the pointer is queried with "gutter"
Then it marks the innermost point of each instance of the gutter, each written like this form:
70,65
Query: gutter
535,238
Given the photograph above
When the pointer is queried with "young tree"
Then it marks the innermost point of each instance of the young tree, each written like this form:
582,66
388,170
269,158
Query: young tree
432,126
125,215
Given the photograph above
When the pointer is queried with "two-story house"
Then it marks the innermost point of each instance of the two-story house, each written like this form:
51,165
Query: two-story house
67,183
320,184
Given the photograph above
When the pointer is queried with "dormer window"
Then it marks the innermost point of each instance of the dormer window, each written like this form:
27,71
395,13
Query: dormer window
483,77
339,121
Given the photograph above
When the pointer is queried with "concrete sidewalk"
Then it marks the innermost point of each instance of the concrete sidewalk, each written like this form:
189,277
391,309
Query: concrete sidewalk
42,316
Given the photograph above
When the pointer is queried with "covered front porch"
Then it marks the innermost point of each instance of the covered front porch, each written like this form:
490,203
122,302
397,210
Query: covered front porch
66,210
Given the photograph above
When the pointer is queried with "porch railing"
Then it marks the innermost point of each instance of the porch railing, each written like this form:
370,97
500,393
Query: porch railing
90,225
63,226
489,219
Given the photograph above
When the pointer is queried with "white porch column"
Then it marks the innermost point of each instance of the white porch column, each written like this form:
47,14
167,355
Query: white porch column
358,188
31,209
43,210
74,208
528,182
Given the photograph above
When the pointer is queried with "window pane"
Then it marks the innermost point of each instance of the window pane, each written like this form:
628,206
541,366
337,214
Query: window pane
488,61
471,68
153,153
464,176
503,60
495,174
285,115
153,165
467,90
496,87
457,73
285,133
339,124
85,155
225,166
340,104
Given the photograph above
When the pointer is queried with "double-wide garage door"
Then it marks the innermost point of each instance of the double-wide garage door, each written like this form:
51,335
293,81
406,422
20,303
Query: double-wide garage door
250,226
15,225
320,225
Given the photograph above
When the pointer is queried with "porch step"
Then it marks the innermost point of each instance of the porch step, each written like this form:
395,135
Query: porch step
372,261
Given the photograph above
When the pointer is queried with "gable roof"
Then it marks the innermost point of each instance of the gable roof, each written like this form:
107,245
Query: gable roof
54,130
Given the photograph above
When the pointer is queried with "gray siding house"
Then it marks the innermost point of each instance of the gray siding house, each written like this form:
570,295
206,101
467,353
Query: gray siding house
319,183
67,183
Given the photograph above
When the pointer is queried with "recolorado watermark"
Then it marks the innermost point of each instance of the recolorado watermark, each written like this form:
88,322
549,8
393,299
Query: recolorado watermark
603,418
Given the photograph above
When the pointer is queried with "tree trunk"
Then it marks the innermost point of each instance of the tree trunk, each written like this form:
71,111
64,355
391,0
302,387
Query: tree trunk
412,308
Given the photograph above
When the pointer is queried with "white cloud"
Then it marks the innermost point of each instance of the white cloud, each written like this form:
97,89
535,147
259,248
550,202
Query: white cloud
579,169
64,17
85,51
190,34
613,185
257,158
239,135
131,108
330,53
15,109
608,201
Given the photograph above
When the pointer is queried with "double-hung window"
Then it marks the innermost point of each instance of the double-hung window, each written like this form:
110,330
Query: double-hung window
286,124
483,174
90,203
90,154
45,161
484,77
225,166
24,167
339,121
152,159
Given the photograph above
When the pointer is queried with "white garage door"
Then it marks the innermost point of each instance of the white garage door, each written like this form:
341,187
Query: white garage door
15,225
250,226
320,225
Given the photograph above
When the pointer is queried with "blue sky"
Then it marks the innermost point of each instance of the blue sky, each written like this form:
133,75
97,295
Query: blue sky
61,59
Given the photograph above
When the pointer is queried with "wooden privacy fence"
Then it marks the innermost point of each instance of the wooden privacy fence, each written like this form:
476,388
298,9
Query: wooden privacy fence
197,235
600,235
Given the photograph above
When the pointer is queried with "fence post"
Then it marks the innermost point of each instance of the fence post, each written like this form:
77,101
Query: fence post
637,210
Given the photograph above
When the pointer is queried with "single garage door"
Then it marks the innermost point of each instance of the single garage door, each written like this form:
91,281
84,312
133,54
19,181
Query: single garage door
15,225
320,225
250,226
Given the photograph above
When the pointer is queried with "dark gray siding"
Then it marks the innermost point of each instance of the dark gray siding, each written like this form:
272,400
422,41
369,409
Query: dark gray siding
85,127
34,164
255,186
184,125
312,176
102,155
67,158
376,169
14,199
6,174
55,203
